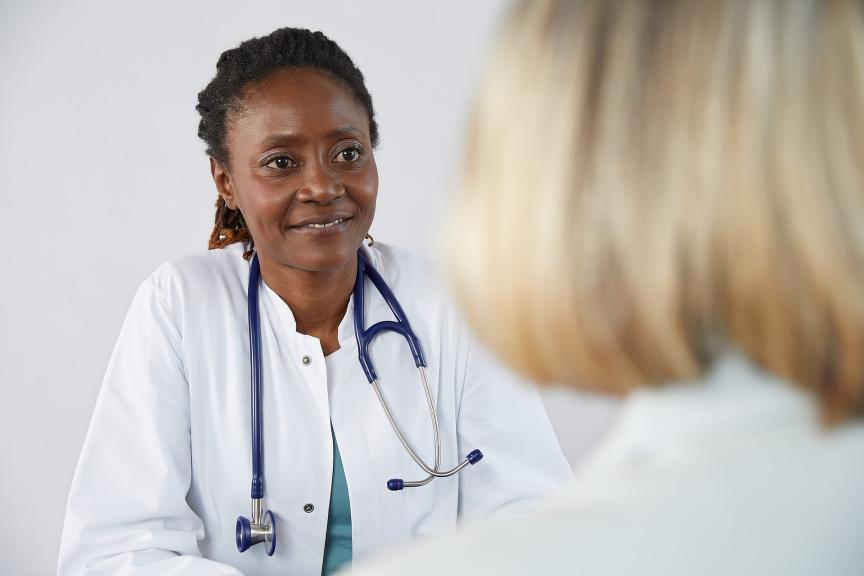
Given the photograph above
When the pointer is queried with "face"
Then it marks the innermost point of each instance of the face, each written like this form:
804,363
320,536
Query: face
301,170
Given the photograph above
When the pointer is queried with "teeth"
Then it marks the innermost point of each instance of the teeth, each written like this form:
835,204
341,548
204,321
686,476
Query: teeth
327,225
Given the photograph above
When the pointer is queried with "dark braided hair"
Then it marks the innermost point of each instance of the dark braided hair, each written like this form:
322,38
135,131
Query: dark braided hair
253,61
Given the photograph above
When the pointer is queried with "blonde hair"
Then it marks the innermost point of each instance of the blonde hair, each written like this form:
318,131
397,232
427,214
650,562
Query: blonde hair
645,179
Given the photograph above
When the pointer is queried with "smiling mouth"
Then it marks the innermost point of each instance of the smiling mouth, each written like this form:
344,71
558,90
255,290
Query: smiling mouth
320,224
326,224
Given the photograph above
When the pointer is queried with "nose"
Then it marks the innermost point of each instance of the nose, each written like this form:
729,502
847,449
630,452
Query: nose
321,184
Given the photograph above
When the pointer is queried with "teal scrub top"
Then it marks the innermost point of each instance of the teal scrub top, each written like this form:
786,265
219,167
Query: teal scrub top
337,546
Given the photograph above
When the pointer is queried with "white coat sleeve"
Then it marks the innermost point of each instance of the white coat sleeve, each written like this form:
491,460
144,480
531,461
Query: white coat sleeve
127,512
504,417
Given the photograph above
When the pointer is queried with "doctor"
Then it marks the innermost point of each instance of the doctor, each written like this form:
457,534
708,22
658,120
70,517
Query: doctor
166,466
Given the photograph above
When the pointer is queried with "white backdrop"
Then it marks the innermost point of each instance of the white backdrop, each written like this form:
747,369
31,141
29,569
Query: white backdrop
103,178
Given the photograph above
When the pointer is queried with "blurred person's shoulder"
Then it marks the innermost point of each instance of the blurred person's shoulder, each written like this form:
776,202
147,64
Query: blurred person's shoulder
729,475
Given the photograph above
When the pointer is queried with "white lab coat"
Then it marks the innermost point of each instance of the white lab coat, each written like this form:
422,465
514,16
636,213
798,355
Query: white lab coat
732,475
166,465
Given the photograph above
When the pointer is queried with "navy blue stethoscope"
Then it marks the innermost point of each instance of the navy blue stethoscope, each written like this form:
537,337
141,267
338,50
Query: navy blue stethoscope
262,527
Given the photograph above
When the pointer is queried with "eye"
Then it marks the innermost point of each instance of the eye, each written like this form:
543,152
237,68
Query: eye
280,162
351,154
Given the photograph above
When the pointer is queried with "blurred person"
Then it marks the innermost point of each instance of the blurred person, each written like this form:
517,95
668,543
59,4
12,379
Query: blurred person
665,201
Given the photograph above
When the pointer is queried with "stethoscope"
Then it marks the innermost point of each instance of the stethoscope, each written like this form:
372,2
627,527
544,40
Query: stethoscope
262,527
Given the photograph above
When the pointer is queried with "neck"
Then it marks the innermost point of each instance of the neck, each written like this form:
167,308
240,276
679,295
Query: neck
318,300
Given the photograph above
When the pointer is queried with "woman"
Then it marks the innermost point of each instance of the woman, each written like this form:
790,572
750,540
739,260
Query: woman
689,178
165,470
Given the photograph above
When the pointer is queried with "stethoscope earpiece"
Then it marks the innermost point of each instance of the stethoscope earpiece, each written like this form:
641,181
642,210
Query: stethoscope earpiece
396,484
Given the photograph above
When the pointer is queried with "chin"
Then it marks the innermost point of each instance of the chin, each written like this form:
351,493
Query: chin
320,259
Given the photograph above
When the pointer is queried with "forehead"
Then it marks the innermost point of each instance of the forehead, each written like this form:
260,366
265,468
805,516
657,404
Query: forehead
301,102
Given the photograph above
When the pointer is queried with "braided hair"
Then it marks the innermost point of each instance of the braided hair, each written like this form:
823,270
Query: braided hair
253,61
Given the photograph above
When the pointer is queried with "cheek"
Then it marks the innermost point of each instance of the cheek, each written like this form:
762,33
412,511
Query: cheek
370,188
260,208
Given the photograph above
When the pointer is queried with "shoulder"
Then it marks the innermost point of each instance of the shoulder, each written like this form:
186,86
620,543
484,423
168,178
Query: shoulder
397,264
202,267
415,280
418,286
402,269
192,279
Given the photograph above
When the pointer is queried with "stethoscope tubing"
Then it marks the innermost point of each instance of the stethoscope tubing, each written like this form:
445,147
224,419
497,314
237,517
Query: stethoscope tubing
262,527
255,361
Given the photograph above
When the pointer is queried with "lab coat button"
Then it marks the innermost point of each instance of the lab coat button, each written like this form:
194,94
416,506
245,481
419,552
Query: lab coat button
308,507
306,361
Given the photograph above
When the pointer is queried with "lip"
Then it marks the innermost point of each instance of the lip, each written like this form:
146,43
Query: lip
304,226
322,219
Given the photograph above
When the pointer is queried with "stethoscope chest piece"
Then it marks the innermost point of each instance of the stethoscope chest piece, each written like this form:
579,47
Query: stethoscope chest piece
260,529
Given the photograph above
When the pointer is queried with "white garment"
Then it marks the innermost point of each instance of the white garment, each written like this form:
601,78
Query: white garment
728,476
166,465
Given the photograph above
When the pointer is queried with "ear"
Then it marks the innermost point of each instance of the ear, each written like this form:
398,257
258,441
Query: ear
224,184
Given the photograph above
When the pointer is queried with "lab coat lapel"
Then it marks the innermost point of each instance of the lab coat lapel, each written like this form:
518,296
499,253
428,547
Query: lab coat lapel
292,348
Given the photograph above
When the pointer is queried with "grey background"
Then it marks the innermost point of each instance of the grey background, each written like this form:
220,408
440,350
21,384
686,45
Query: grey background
103,178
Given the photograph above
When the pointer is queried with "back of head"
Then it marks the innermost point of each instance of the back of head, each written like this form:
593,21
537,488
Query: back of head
647,183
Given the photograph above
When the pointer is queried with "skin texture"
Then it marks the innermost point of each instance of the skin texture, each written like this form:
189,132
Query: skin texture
299,151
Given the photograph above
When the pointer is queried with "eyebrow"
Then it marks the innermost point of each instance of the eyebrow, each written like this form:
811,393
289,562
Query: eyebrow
291,138
344,131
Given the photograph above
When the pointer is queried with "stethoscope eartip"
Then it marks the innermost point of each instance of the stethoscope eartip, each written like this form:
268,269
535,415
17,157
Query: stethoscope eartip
395,484
474,456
